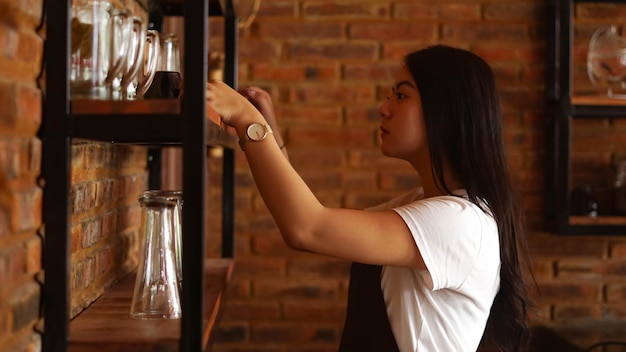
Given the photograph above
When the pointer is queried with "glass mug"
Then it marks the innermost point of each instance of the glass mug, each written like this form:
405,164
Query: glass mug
140,64
167,79
94,26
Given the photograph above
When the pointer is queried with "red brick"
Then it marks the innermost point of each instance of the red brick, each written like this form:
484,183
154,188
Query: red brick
262,265
364,200
308,288
295,72
253,311
304,160
368,73
333,51
300,30
569,312
350,138
358,180
313,115
513,12
275,245
318,266
392,31
485,32
290,333
29,108
354,10
616,292
257,51
9,40
399,180
331,312
600,11
25,306
33,255
8,95
561,246
241,288
26,210
568,291
433,12
277,9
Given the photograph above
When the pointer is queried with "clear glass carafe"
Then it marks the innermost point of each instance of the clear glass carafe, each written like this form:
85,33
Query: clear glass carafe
156,293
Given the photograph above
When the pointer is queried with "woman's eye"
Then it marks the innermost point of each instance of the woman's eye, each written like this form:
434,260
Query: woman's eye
400,96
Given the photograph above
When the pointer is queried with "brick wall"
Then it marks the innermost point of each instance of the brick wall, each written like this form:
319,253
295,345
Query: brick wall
328,66
20,159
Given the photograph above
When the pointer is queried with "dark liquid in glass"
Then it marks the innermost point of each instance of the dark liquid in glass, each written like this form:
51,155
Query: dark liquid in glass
165,85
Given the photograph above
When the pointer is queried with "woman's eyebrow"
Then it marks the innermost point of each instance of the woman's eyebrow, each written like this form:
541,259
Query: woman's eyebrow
403,83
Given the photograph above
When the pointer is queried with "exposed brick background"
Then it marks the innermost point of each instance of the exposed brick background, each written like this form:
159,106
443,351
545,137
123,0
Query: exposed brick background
328,65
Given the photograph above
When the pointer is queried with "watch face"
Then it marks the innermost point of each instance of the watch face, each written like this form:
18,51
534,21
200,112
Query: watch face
256,132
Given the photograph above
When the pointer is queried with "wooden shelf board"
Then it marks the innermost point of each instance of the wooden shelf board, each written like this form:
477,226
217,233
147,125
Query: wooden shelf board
154,106
598,220
107,326
598,100
155,122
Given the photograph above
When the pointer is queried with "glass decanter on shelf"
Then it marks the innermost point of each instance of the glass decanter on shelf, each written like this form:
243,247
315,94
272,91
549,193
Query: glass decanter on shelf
606,59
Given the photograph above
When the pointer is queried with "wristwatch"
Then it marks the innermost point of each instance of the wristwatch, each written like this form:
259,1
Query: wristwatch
255,132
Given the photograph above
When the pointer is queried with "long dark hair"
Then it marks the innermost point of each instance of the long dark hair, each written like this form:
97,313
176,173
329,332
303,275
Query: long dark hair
463,121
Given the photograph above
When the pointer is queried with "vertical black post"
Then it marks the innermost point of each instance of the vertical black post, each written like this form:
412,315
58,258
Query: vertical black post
564,123
228,173
194,174
56,173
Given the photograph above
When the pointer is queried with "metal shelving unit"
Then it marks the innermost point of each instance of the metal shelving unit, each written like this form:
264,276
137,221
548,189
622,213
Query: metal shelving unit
562,108
154,126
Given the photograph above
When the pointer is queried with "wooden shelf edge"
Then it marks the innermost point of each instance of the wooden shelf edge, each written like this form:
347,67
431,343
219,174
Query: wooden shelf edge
155,106
107,326
597,220
598,100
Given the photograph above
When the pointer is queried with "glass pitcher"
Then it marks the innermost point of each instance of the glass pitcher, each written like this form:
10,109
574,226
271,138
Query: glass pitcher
156,292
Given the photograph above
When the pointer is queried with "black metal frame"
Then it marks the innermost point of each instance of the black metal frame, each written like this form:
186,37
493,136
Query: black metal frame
60,127
561,111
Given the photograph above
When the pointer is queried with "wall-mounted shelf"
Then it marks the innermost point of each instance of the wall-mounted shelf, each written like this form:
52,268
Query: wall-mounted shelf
563,108
156,123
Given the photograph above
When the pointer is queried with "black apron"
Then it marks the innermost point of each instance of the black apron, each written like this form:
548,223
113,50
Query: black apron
367,325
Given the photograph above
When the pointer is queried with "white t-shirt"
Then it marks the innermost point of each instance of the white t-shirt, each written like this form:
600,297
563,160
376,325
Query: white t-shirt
444,308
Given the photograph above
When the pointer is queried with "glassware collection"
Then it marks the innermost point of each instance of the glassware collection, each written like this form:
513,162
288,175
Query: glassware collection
113,55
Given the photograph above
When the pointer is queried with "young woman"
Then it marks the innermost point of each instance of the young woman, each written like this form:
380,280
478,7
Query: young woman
439,269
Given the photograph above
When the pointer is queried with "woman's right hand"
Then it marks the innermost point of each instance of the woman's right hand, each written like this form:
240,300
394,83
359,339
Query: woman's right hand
235,109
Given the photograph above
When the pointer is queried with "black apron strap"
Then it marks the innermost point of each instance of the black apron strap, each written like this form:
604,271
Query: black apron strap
367,325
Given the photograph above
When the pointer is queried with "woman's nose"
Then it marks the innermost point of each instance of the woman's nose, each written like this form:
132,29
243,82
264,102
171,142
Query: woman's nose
383,110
